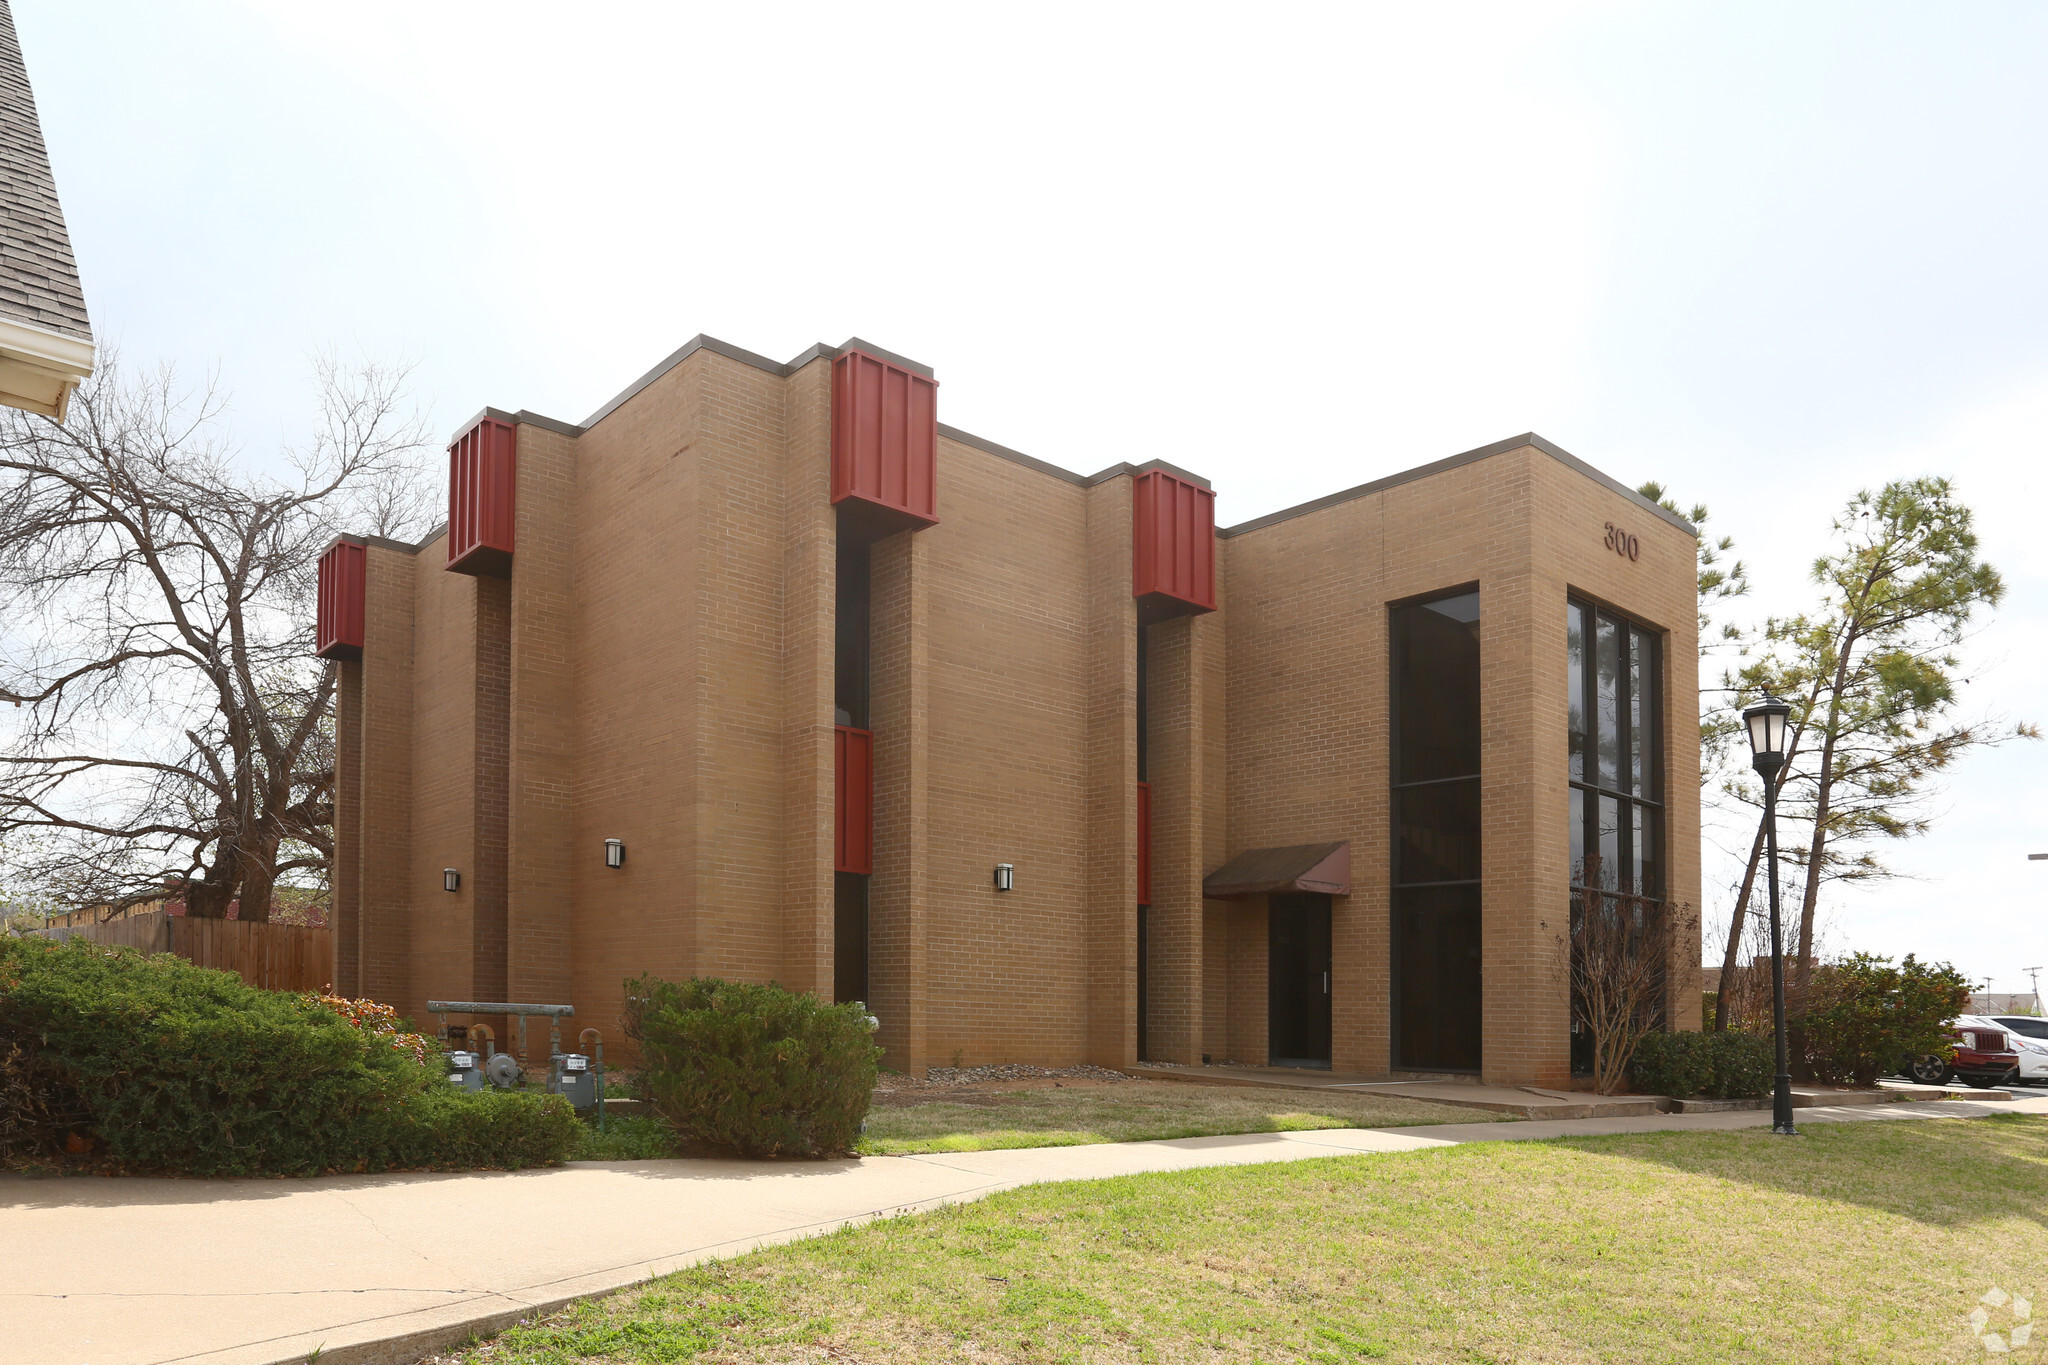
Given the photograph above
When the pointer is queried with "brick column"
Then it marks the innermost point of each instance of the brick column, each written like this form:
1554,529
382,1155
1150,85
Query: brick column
1175,681
1112,791
490,769
347,918
540,777
1525,1015
900,568
384,740
808,648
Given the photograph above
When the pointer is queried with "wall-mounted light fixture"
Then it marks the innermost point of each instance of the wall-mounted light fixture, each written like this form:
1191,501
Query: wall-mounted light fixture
451,880
615,853
1006,876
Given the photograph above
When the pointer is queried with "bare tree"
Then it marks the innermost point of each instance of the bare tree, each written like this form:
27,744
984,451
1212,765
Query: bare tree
1616,955
172,730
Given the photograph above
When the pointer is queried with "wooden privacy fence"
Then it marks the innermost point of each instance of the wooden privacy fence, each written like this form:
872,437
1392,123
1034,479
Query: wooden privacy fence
277,957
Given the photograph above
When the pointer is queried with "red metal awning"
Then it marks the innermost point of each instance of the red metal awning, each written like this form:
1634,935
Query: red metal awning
1324,868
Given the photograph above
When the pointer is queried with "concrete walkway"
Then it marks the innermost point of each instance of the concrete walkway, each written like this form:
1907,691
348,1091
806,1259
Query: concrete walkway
380,1270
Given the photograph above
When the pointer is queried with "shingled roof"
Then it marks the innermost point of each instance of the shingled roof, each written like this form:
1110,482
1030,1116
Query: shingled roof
38,275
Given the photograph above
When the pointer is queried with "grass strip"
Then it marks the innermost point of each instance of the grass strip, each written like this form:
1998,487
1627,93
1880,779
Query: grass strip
1856,1242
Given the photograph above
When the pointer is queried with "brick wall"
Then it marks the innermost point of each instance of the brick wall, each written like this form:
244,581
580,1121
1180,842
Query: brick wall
637,687
1308,717
1007,665
444,735
665,678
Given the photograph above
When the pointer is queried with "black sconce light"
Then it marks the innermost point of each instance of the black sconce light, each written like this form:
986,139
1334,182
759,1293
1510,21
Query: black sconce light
1006,876
451,880
615,853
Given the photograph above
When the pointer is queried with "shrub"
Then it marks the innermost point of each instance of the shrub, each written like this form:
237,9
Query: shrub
182,1069
1864,1017
456,1130
758,1069
1745,1065
1673,1064
1722,1066
39,1111
381,1021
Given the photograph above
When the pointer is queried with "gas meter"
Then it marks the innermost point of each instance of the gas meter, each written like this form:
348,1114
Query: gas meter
464,1071
571,1077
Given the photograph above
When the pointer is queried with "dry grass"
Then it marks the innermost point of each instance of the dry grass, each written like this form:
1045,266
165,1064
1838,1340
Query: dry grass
1866,1241
1054,1113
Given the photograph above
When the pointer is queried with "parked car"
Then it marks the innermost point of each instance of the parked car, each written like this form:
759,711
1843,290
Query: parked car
1985,1055
2030,1036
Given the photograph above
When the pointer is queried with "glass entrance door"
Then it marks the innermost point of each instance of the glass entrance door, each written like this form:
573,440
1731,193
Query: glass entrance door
1298,980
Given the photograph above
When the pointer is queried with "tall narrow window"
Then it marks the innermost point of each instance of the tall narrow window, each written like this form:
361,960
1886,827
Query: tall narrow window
1616,808
851,691
1617,798
1436,834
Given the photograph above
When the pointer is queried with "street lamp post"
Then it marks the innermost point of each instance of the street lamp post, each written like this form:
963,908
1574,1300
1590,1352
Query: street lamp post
1767,723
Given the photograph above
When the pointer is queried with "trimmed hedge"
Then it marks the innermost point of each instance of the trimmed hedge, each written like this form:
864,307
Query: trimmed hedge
759,1070
181,1069
1721,1066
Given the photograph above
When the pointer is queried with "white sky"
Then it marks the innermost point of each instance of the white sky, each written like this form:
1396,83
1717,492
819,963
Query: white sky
1764,253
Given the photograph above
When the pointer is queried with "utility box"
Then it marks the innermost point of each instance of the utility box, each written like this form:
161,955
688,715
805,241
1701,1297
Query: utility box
571,1076
465,1070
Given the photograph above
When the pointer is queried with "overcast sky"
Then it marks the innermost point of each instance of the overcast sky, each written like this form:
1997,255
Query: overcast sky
1764,253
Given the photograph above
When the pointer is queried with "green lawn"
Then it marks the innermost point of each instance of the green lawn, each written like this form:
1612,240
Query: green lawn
1863,1241
972,1119
947,1121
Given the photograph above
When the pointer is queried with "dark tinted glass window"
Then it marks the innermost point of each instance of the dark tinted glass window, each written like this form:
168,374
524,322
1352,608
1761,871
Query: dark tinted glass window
1614,710
1436,834
1614,726
1436,930
1436,658
1439,832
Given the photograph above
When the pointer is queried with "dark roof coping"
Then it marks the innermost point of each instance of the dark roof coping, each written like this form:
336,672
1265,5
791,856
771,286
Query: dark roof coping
385,543
968,438
701,342
519,418
1527,438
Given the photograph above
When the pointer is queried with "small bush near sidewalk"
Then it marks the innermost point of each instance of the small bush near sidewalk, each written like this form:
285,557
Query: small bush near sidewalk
1721,1066
752,1068
158,1065
1865,1017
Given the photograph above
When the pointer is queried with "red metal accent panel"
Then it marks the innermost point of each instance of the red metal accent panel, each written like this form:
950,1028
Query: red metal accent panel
482,470
338,617
1144,843
853,799
885,442
1173,544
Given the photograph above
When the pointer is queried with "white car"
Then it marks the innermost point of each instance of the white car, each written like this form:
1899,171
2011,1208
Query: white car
2030,1039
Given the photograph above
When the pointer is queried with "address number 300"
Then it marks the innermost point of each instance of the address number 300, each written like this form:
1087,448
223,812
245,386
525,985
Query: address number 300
1622,543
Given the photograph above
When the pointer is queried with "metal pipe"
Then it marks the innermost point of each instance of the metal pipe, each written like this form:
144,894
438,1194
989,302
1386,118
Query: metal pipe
496,1007
597,1051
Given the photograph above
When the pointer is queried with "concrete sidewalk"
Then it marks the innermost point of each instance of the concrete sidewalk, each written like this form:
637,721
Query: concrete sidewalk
380,1270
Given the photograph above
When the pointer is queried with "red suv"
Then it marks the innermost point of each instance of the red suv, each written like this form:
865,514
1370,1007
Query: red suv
1983,1058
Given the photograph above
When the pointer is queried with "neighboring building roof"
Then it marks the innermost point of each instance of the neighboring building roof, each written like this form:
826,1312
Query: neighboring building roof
45,335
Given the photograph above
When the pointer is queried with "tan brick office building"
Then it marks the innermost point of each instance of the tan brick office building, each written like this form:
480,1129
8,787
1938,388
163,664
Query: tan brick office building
1311,790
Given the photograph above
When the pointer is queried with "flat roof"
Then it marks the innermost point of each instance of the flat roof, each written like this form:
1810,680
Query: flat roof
821,350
